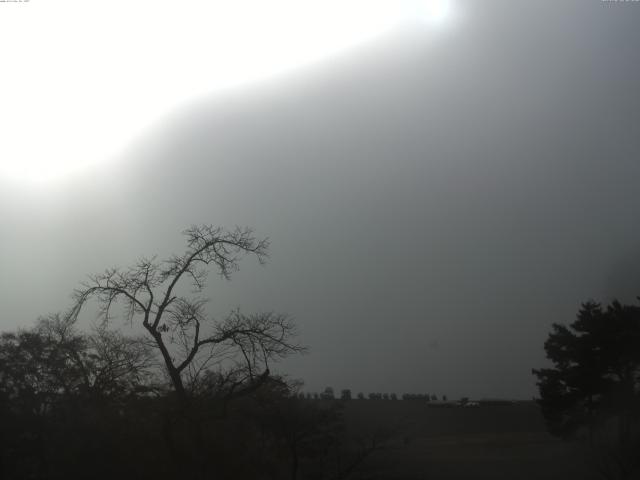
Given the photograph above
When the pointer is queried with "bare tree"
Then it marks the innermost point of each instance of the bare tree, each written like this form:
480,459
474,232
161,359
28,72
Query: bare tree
155,294
54,364
101,364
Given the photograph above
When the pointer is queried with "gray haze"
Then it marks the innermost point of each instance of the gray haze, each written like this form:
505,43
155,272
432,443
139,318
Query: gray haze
434,200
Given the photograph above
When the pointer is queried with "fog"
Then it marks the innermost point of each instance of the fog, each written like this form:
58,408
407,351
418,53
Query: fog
434,200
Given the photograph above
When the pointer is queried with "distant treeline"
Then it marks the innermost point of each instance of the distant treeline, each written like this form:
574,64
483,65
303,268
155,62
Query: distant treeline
345,395
329,394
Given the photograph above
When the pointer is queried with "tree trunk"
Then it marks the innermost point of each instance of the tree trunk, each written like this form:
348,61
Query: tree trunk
294,461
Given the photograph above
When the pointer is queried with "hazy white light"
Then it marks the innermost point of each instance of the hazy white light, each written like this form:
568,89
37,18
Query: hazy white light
439,12
81,78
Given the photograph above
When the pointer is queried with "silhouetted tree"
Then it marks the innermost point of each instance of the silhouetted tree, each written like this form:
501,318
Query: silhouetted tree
305,432
328,394
62,392
595,376
164,298
54,360
360,396
596,367
345,394
175,319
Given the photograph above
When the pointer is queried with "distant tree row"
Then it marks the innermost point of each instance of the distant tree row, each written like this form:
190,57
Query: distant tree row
423,397
345,394
382,396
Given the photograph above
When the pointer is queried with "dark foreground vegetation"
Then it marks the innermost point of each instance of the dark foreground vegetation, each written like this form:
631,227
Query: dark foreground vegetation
192,397
78,406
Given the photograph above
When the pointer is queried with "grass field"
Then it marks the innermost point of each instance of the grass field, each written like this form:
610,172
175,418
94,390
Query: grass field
499,442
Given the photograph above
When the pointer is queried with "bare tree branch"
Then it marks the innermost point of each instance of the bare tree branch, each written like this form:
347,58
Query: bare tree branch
150,292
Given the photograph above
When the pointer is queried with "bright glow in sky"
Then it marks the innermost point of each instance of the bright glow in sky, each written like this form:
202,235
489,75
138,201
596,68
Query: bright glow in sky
81,78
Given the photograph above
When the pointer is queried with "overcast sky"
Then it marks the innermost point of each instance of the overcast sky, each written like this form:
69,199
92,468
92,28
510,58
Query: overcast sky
434,200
